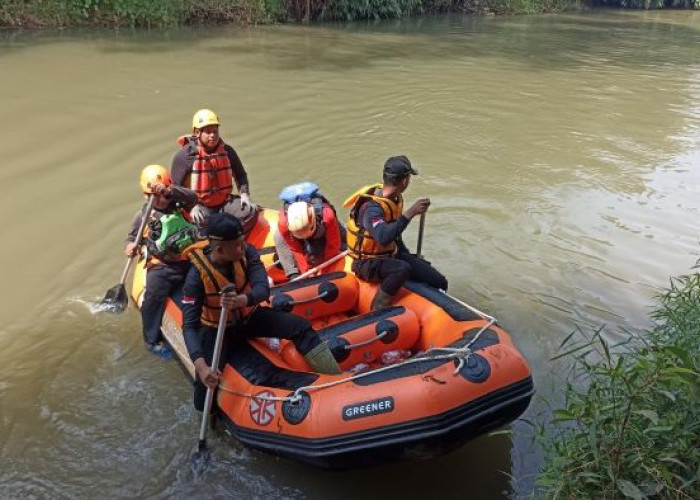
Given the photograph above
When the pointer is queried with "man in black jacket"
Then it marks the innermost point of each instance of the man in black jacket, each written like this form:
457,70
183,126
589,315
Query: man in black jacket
209,166
229,260
376,222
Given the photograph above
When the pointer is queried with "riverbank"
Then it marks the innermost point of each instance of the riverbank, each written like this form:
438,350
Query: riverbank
633,429
162,13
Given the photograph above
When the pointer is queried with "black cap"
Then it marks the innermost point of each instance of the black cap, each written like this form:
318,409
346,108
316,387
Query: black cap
399,166
224,227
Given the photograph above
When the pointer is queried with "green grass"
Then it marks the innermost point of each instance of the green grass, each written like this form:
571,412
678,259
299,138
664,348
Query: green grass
378,9
162,13
630,423
132,13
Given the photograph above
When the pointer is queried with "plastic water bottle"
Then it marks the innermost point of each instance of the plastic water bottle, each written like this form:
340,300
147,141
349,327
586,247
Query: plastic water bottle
359,368
394,356
273,343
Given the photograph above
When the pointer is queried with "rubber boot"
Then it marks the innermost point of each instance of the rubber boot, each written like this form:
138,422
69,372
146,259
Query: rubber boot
381,300
321,360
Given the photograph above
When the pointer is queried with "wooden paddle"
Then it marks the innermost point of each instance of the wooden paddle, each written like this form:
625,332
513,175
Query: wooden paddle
421,227
323,265
200,458
116,299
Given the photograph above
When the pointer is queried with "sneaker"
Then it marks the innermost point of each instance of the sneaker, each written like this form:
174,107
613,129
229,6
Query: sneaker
161,350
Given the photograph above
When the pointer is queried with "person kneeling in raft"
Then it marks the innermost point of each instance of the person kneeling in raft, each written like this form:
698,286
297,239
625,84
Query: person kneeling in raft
228,260
375,225
166,235
309,232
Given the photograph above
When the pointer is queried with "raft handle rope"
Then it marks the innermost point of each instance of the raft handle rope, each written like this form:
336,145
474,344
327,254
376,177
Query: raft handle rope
308,299
460,353
471,308
381,335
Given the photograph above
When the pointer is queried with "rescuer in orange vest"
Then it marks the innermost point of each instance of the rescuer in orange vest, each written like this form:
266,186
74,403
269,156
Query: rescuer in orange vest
229,260
308,231
209,166
374,229
165,236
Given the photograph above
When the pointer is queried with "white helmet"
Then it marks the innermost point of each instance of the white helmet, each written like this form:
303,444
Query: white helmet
301,220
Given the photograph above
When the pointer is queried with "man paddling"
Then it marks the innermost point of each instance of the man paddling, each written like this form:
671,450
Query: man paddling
228,260
166,235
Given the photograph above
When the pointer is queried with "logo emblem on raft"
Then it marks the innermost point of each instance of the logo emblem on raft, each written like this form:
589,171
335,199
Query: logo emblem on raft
262,411
368,408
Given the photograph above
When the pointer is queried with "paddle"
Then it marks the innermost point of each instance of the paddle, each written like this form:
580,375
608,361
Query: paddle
116,299
421,227
321,266
200,458
270,266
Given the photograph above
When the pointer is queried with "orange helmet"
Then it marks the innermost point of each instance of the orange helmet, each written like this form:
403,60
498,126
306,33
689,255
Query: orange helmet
301,220
154,174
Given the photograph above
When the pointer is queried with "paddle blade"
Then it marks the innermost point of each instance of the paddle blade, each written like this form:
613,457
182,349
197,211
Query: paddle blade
200,460
115,300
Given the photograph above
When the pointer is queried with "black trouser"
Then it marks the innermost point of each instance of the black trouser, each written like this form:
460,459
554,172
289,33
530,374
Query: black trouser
392,273
162,281
263,322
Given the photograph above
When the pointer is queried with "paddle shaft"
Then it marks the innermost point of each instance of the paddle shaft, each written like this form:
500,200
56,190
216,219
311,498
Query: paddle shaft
139,236
421,227
272,265
323,265
209,399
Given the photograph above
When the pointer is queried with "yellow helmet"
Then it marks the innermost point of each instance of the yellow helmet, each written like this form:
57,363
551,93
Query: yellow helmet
154,174
203,118
301,220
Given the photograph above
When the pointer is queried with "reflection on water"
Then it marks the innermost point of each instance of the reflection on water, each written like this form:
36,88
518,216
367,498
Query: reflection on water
560,152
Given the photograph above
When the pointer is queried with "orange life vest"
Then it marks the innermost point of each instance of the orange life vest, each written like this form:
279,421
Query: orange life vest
212,176
329,219
360,241
214,281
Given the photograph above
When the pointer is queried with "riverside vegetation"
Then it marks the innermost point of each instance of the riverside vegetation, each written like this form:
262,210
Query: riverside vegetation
629,426
161,13
630,423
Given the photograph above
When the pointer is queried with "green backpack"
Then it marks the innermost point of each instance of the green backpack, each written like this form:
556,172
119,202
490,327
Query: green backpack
170,235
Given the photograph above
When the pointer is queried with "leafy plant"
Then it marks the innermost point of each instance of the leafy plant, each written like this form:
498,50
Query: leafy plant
630,423
158,13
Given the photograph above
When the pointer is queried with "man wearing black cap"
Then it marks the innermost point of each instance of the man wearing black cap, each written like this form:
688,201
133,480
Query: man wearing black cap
374,232
228,260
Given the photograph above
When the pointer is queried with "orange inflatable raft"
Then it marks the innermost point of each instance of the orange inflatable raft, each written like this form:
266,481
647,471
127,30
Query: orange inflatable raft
262,237
461,377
